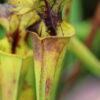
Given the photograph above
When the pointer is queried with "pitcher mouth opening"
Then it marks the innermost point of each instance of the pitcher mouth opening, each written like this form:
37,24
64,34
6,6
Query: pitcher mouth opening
69,31
16,55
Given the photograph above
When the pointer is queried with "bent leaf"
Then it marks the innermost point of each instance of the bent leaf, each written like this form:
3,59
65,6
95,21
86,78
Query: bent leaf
14,22
22,6
28,19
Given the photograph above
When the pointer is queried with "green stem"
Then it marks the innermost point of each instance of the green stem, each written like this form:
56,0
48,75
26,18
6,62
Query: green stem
86,56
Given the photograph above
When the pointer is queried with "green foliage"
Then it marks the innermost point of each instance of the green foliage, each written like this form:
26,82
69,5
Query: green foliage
96,45
3,1
2,32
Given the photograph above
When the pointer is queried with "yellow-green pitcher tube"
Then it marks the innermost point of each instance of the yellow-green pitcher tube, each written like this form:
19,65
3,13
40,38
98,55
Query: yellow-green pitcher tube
49,53
13,69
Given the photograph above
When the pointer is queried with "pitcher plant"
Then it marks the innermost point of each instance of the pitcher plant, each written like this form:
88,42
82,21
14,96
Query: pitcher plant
16,57
51,36
13,71
49,53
